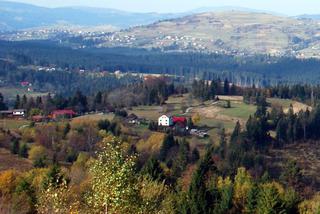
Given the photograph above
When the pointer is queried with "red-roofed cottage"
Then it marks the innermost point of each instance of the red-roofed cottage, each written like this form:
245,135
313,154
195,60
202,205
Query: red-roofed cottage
63,114
179,120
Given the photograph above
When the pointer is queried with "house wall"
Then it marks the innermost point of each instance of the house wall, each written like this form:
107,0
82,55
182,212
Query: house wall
18,113
165,121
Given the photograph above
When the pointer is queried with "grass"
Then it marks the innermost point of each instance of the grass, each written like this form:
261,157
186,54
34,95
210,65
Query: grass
13,124
11,92
152,145
185,98
147,112
239,110
285,103
93,118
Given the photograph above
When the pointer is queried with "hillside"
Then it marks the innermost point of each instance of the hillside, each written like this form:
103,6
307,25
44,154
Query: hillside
18,16
237,31
226,32
310,16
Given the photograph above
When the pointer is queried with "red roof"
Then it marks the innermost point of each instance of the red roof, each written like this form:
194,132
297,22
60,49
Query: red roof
25,83
64,112
38,117
179,120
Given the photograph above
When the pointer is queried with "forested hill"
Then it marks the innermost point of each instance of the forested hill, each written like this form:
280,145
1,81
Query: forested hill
18,16
231,32
259,70
241,33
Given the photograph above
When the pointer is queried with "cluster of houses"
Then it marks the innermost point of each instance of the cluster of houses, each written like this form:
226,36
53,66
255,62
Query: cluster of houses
55,115
134,119
181,122
15,113
168,121
174,122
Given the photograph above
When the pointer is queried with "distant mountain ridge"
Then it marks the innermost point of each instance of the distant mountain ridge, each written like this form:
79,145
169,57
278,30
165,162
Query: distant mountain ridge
233,32
310,16
231,8
227,30
18,16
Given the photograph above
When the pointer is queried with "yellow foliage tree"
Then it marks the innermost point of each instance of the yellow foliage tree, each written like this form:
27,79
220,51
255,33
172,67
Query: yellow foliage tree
196,118
152,145
114,184
8,181
37,152
153,194
56,200
310,206
242,186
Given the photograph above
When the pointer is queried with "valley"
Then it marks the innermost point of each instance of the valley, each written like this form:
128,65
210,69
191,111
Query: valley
191,109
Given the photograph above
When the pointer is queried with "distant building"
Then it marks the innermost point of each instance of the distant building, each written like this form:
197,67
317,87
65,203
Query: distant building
15,113
39,118
25,84
18,112
199,133
63,114
6,113
133,119
165,120
181,121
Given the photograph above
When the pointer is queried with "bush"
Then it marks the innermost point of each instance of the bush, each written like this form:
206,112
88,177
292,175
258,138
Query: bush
23,151
15,145
104,125
121,113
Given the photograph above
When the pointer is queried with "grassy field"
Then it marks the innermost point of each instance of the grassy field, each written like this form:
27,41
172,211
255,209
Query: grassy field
285,104
93,118
13,124
217,116
11,92
147,112
239,110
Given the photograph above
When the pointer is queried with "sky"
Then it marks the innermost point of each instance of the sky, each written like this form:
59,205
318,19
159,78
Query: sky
287,7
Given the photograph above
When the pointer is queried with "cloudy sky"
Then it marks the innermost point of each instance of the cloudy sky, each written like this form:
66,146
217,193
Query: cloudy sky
289,7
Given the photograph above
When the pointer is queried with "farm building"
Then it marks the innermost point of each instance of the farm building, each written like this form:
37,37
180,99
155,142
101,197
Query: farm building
18,112
165,120
133,119
39,118
63,114
182,121
15,113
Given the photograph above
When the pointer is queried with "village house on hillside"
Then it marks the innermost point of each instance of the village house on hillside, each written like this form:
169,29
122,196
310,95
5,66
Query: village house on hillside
167,121
15,113
63,114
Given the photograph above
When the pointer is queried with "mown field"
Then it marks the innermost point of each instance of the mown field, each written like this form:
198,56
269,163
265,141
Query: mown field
92,118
